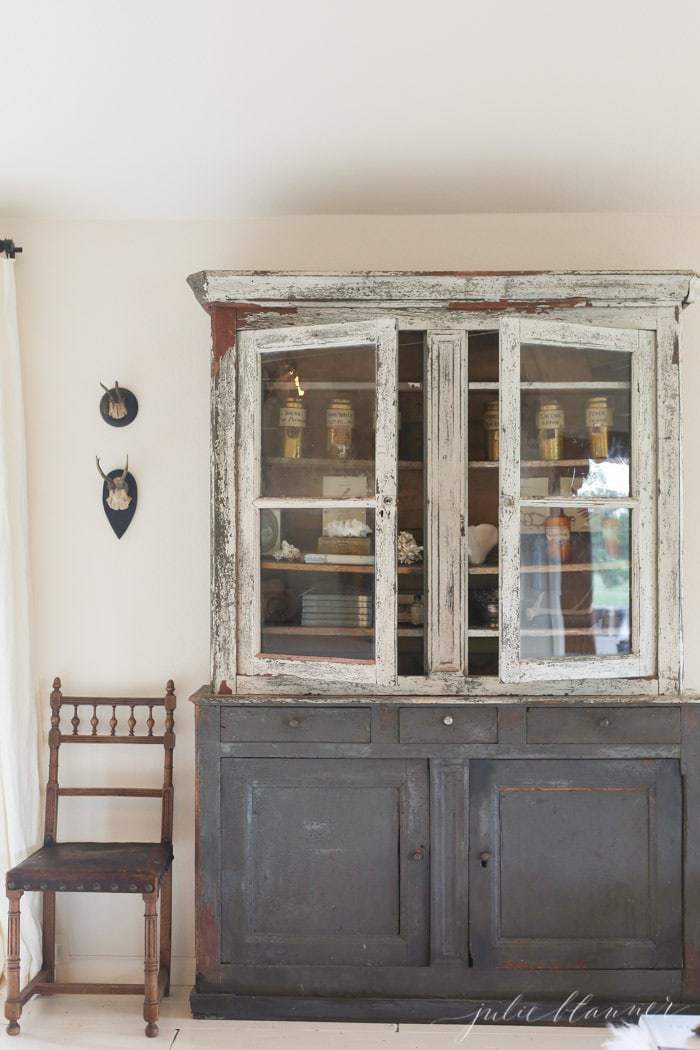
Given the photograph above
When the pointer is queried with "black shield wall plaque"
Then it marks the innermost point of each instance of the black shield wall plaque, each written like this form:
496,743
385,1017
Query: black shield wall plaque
120,520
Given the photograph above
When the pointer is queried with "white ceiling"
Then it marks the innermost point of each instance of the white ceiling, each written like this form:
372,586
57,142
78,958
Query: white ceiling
114,109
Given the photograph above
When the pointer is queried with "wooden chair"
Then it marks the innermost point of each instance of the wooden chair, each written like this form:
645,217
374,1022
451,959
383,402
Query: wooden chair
107,867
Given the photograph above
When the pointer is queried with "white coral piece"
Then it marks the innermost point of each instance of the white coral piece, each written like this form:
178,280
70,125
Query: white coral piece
409,551
351,527
287,552
481,539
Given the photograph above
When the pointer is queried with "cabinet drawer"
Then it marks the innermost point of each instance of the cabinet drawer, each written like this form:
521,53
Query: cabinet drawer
448,725
603,725
313,725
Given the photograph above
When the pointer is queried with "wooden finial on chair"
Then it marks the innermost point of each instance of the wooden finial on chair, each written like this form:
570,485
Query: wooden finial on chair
57,684
170,687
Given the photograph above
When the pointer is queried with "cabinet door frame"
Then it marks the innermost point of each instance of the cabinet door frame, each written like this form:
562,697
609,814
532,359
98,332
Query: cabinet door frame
382,334
660,779
242,780
641,661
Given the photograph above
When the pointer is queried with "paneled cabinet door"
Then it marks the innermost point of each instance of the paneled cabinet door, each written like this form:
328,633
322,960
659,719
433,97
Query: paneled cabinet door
324,862
575,864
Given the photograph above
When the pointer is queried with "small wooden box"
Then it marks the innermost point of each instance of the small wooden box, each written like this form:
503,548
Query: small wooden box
344,545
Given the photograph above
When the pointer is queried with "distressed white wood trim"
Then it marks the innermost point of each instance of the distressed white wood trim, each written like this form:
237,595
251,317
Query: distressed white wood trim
669,502
567,335
446,501
381,334
223,517
641,661
469,691
442,318
248,523
509,510
643,553
579,501
386,467
655,288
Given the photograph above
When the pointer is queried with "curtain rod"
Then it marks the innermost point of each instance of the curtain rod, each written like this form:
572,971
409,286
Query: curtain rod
9,248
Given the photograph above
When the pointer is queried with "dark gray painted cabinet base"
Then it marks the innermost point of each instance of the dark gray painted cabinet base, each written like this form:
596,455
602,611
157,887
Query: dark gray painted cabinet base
361,862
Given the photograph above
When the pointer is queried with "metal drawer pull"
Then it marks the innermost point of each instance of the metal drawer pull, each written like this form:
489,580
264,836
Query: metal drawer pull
294,723
418,853
448,720
484,857
605,723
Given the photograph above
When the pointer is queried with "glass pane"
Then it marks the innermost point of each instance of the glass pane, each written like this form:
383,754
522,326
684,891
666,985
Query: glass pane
575,597
575,422
482,534
318,423
411,505
317,585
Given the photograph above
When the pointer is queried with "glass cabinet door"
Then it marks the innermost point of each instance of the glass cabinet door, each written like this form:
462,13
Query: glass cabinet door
577,477
317,501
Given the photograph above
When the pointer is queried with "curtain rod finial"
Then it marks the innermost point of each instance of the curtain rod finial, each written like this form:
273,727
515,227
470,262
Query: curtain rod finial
9,248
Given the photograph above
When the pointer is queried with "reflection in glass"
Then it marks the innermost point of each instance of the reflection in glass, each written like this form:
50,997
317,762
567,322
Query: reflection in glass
575,422
575,593
318,419
411,504
317,585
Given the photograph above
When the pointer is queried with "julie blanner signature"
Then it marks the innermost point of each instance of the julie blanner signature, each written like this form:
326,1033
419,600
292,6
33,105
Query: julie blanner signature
574,1010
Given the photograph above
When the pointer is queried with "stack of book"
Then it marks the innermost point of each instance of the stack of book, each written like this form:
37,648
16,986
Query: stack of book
336,610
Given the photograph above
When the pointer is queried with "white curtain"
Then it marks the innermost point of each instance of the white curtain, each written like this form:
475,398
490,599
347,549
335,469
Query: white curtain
20,796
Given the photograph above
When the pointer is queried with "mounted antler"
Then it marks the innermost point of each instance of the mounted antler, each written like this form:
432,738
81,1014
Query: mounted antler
118,496
104,476
116,408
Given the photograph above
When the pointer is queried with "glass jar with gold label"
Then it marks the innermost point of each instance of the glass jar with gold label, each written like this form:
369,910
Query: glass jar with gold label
550,430
491,430
292,426
598,424
340,421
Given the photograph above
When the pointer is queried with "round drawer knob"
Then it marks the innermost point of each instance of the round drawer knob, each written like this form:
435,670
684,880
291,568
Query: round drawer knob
448,720
294,723
418,853
605,723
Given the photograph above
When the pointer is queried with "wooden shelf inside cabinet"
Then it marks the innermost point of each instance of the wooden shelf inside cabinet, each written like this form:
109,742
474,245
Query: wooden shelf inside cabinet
332,387
300,566
352,632
602,566
575,384
336,465
533,464
582,632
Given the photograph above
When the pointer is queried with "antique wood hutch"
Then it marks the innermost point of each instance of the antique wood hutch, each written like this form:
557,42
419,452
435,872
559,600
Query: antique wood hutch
445,757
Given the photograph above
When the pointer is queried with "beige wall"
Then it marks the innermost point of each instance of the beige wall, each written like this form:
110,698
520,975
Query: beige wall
100,301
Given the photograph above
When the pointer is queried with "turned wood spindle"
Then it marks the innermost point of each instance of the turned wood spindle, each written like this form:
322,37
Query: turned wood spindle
150,721
113,721
132,721
75,720
94,721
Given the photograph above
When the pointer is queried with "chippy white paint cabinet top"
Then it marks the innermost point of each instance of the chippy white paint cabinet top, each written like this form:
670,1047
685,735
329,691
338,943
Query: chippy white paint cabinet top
633,315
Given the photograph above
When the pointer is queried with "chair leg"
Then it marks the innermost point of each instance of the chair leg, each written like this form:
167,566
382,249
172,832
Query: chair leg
48,935
13,1004
166,925
151,1003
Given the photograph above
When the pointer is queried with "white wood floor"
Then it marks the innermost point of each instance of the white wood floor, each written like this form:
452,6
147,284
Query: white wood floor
114,1023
